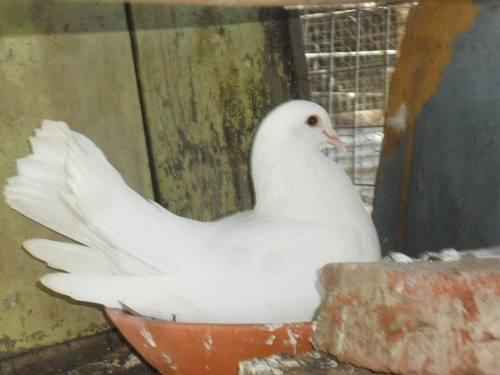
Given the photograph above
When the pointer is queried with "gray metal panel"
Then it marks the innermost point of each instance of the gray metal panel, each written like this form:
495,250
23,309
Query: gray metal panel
386,202
454,198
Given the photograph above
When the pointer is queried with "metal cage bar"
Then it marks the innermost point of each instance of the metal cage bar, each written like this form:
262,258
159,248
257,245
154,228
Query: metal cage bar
351,54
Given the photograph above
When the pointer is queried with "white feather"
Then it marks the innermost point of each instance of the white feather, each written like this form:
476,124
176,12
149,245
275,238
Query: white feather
238,269
69,257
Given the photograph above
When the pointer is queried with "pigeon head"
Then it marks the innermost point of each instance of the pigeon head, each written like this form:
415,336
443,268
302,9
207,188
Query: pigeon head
287,162
298,124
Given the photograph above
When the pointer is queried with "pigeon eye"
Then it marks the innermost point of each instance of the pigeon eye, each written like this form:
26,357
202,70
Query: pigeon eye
313,120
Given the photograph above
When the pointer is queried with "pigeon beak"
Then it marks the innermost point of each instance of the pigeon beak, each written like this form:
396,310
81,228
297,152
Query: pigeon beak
334,139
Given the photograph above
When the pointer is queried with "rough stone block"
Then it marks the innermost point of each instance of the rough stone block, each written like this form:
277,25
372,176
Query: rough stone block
414,318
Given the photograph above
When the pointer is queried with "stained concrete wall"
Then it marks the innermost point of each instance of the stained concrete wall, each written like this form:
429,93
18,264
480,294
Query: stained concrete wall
438,184
206,77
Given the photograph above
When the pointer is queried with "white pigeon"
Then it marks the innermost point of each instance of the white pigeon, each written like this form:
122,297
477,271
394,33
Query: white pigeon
258,266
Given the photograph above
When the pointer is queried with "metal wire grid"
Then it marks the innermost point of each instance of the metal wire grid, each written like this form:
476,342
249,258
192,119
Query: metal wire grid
351,53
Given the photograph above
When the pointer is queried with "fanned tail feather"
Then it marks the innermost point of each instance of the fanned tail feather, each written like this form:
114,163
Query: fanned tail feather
47,190
127,244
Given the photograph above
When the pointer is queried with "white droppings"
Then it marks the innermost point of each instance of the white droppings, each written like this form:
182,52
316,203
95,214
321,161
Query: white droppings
399,287
148,337
398,120
445,255
262,366
132,361
332,363
208,343
314,325
492,252
399,258
292,340
272,327
167,358
287,364
169,361
270,340
341,331
315,355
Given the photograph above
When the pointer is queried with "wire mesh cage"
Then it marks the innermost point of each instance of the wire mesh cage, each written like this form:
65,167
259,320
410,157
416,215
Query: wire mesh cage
351,52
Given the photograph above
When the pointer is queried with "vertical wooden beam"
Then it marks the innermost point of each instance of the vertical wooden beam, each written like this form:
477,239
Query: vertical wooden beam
69,61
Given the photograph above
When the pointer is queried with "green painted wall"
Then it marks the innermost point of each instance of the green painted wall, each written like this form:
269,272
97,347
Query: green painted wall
58,60
207,77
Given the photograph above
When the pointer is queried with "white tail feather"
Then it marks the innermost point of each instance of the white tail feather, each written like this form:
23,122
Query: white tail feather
126,241
70,257
47,190
140,293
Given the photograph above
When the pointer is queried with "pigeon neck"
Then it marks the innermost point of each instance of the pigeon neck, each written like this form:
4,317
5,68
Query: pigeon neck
302,184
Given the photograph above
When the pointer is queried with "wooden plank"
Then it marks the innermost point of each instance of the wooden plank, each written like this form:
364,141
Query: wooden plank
103,353
302,74
59,61
209,75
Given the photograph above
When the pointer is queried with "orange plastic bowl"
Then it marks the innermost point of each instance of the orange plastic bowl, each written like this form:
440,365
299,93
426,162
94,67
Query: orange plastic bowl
197,349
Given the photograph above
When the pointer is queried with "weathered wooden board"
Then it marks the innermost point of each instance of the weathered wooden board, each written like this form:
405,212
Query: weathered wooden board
59,60
208,76
269,3
438,184
103,353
